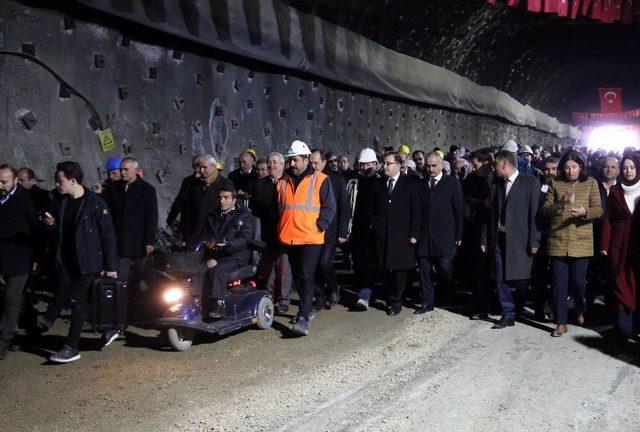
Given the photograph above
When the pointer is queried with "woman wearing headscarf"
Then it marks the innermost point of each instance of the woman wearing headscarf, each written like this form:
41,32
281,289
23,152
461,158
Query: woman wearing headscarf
572,203
621,240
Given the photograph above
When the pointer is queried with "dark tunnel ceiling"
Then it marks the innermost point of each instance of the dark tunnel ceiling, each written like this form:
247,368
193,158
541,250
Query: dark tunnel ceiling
553,64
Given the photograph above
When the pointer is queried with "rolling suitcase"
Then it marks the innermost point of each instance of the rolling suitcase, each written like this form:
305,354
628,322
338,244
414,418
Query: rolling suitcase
109,305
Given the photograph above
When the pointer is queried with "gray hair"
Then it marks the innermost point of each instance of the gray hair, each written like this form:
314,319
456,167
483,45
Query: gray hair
131,159
434,155
210,159
278,155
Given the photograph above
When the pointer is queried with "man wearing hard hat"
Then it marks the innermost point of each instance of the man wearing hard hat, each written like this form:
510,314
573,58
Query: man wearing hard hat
307,207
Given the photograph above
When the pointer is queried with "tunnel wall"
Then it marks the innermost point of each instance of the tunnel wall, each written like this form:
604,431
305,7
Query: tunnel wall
166,102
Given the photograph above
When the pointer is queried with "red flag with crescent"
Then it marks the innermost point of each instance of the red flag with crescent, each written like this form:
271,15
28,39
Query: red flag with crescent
610,100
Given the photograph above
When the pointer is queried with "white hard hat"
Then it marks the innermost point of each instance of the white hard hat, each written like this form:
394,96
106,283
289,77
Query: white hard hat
367,155
510,145
298,148
525,149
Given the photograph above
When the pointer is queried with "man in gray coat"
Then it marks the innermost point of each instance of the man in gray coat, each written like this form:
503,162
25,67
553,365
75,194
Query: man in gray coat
511,234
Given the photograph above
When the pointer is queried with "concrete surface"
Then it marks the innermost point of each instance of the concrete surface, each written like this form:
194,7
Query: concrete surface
356,371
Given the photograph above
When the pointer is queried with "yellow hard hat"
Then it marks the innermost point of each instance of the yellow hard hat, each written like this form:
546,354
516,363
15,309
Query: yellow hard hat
404,149
252,152
219,166
439,153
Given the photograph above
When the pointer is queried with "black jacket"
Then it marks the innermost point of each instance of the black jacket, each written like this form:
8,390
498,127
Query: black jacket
235,229
95,236
441,217
339,226
396,218
476,193
197,200
243,182
42,199
264,205
178,202
17,233
135,216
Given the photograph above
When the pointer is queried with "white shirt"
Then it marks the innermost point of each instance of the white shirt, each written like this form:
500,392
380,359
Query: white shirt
395,181
436,178
631,195
508,183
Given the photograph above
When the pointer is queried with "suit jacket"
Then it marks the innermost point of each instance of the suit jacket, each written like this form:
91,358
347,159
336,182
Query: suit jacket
340,224
135,216
235,229
396,218
264,204
198,200
441,218
178,202
243,182
522,232
17,233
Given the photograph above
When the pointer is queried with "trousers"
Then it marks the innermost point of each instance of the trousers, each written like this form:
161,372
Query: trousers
304,261
568,274
12,305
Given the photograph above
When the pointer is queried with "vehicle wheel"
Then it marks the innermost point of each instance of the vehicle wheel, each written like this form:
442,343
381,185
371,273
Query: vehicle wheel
264,317
180,339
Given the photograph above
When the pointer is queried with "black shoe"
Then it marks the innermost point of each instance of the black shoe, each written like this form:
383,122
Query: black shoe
333,300
423,309
479,316
3,351
15,347
283,308
504,322
394,310
218,310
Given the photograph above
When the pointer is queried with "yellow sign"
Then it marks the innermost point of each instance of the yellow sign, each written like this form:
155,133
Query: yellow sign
107,141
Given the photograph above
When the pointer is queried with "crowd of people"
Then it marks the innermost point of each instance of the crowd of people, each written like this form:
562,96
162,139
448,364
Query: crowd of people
511,224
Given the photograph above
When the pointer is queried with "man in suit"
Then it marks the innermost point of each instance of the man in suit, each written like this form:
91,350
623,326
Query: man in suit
327,289
511,233
133,204
440,230
17,226
227,233
200,196
395,207
246,174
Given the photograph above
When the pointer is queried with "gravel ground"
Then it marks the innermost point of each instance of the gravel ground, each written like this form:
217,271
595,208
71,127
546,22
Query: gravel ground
356,371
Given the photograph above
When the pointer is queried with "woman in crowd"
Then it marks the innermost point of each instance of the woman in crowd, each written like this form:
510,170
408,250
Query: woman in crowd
621,240
572,203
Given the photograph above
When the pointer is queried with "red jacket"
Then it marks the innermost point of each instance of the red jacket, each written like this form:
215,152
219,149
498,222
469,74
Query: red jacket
620,238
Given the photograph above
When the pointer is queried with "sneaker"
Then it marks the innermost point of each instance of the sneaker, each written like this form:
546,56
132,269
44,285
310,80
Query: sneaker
283,308
362,304
109,336
301,327
334,298
65,355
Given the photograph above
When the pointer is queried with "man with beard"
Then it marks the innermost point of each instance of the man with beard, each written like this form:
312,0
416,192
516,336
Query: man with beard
307,207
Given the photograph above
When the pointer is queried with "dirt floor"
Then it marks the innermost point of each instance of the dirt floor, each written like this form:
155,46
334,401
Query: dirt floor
356,371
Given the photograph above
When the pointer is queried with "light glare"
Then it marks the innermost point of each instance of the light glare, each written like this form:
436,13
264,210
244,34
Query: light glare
613,138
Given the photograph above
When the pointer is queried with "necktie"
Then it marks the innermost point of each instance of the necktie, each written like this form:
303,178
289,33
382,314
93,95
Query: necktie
503,205
390,186
432,184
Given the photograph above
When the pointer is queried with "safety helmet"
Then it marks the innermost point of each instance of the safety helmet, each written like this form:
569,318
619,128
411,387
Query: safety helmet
367,155
525,149
510,145
298,148
252,152
404,149
113,163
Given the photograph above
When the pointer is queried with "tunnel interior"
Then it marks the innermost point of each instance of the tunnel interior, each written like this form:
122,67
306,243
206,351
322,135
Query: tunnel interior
167,98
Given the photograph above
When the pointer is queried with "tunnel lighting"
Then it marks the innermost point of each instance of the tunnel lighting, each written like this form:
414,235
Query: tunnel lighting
173,295
613,138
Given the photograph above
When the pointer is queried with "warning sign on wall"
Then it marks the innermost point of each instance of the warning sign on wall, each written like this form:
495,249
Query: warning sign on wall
107,142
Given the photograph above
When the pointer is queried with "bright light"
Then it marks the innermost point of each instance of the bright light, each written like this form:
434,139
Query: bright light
613,138
173,295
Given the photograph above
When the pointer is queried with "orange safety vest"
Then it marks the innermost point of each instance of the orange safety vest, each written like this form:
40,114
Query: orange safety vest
299,210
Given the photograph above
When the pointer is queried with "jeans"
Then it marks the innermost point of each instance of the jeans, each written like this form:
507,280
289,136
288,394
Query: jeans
275,273
327,272
73,289
568,274
12,304
304,261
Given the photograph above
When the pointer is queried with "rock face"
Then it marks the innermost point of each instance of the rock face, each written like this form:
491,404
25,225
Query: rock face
166,100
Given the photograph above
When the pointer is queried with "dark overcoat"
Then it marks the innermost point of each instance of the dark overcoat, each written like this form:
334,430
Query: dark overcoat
621,240
17,233
396,218
522,232
442,217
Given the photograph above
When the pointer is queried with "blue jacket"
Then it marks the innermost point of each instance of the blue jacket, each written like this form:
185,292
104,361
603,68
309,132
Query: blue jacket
95,236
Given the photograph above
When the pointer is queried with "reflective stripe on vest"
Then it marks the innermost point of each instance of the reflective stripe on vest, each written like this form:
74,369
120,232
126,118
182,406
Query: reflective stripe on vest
299,210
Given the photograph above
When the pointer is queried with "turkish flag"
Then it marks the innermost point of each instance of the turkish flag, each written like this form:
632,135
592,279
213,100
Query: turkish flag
563,8
585,7
534,6
596,9
610,100
513,3
551,6
575,5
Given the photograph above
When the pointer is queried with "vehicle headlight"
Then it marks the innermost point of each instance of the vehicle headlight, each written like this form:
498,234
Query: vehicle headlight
173,295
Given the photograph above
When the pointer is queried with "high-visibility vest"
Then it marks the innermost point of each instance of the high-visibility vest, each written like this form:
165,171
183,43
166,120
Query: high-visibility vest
299,210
